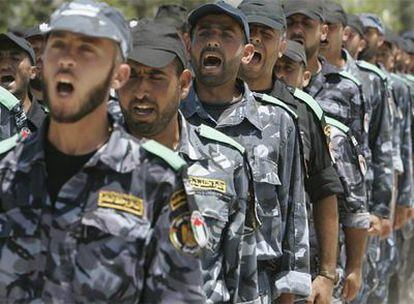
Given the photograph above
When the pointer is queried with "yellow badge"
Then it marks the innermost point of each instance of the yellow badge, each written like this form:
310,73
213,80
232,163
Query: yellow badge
178,199
208,184
121,201
182,236
327,131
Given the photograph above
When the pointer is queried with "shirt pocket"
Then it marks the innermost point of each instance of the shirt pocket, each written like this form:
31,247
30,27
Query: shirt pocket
21,257
215,208
111,250
266,183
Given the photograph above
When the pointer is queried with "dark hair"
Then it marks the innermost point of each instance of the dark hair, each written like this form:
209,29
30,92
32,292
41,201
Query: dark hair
179,67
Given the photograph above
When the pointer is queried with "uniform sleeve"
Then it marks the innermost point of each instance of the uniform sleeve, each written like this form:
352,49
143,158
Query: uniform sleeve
322,178
405,180
294,276
173,276
353,202
380,143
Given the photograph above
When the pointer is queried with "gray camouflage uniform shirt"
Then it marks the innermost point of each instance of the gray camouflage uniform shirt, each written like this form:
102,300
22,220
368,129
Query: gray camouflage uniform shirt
219,177
272,145
108,237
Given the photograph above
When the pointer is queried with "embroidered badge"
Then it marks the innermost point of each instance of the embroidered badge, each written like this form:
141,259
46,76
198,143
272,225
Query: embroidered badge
181,235
121,201
208,184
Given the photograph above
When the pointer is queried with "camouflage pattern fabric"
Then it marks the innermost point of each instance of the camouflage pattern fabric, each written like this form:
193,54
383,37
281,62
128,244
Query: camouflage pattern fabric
119,230
220,179
269,135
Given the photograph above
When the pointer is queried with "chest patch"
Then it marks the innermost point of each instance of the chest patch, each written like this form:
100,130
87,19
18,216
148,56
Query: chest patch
208,184
121,201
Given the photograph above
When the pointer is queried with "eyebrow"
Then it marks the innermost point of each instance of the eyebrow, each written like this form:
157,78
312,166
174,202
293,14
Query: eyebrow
222,27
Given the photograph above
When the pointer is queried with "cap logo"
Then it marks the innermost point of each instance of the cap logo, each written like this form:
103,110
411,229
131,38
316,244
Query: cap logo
81,10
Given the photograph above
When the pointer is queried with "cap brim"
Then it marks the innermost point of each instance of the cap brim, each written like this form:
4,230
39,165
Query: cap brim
5,36
311,15
154,58
265,21
294,57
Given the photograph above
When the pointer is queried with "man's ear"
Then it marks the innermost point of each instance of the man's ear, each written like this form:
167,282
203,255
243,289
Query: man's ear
121,76
361,45
324,31
347,34
381,40
282,47
306,78
32,72
248,53
185,83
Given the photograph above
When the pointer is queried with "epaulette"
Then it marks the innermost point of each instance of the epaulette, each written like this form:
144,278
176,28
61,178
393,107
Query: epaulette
405,81
166,154
311,102
336,123
7,99
275,101
213,134
409,77
371,67
349,76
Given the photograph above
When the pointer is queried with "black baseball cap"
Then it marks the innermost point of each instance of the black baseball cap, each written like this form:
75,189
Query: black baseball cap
266,12
156,44
310,8
172,14
334,13
356,23
296,52
220,7
21,43
94,19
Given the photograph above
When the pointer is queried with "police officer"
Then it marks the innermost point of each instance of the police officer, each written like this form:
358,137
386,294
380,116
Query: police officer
88,213
219,44
17,68
216,168
36,37
354,217
267,31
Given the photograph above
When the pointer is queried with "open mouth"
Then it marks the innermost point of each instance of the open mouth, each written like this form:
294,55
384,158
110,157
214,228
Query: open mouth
299,40
212,61
143,110
7,80
64,88
257,57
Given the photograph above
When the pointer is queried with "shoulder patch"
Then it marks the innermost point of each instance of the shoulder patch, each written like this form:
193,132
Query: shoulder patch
275,101
175,161
311,102
211,133
371,67
349,76
7,99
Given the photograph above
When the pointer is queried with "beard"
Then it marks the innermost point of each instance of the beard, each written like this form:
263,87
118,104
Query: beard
367,54
160,123
95,97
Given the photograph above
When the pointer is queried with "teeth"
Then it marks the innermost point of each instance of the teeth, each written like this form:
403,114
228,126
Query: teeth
144,107
65,81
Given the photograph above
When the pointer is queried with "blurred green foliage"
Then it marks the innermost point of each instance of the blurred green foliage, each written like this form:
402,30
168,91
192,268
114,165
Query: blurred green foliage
398,14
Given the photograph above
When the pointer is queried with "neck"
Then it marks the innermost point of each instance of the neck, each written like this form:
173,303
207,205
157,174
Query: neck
169,136
26,103
335,58
265,82
219,94
82,137
314,65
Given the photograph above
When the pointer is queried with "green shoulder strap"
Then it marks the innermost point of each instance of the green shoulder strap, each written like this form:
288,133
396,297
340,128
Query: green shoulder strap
345,74
371,67
275,101
400,78
311,102
169,156
333,122
9,143
211,133
7,99
410,77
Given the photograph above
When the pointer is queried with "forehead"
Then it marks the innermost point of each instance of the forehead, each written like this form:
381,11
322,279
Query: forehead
289,62
221,21
262,27
75,37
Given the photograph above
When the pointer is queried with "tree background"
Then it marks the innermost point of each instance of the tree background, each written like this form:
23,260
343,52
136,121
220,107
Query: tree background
398,14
